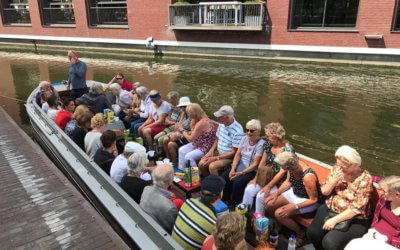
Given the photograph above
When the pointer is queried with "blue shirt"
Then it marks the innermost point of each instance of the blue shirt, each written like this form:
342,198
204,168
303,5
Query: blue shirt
77,75
229,137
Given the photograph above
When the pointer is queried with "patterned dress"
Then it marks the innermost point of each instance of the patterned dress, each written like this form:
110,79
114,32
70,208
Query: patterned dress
206,139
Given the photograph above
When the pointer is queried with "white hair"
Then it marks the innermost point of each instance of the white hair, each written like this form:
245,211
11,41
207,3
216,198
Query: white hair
163,175
173,95
115,86
348,154
137,162
142,91
97,88
254,124
287,160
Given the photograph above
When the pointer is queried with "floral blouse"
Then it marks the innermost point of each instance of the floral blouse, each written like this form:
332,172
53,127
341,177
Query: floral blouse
354,195
271,157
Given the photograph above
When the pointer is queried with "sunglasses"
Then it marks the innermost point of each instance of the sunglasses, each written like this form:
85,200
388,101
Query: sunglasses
118,78
250,130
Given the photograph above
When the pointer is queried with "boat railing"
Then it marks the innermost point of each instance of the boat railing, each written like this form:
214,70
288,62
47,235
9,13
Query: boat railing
143,230
218,16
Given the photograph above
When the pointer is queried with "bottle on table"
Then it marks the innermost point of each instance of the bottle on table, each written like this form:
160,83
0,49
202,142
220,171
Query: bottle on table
188,175
292,242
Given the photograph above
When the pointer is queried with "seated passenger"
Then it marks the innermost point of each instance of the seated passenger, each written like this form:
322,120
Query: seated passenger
145,106
131,183
46,89
120,79
229,135
82,127
156,122
172,142
79,112
133,112
119,167
156,200
269,174
94,100
105,155
299,194
172,120
92,138
123,99
385,229
197,217
245,163
349,189
200,138
53,110
65,114
228,233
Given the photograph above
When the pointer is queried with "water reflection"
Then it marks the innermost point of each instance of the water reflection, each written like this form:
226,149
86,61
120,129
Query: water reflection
321,106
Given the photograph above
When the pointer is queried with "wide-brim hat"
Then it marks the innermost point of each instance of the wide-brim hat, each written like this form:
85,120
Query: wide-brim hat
184,101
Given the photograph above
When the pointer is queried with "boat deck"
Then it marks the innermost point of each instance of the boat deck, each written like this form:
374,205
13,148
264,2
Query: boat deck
39,208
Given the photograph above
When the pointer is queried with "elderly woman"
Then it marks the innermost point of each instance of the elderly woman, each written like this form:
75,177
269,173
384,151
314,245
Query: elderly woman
173,141
385,229
131,182
94,100
133,112
345,215
92,138
145,106
157,121
120,79
245,163
83,125
45,90
200,138
123,99
65,114
172,120
269,174
228,233
299,194
156,200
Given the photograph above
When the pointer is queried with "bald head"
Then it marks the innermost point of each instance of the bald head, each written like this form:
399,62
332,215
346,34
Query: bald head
163,175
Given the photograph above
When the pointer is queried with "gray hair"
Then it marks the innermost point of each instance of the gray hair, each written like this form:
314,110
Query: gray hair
254,124
348,154
173,95
137,85
115,86
276,130
137,162
163,175
44,84
287,160
97,88
142,91
387,181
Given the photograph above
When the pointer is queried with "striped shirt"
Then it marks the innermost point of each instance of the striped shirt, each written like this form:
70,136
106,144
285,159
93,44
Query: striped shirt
194,223
229,137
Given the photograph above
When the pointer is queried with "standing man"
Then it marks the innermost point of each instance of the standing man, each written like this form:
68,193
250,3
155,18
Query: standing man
77,75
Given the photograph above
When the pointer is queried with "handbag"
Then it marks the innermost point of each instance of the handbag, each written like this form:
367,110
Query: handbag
342,226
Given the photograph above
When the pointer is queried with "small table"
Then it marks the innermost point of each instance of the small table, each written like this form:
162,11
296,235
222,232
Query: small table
187,190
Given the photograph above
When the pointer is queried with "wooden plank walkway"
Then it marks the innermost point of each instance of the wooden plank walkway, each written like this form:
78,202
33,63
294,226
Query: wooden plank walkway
39,208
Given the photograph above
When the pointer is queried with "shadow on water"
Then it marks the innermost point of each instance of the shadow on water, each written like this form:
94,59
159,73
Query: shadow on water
322,106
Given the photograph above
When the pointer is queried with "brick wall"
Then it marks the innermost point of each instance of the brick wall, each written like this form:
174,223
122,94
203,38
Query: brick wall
150,18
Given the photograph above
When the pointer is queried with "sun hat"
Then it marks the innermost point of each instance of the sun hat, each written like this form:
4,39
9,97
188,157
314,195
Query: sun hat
184,101
134,147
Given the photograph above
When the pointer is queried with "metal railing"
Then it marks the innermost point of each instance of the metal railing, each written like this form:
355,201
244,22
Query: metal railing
228,15
108,16
16,16
58,16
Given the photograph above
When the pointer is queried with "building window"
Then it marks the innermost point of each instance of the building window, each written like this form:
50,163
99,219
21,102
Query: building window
396,26
15,12
57,12
107,13
324,13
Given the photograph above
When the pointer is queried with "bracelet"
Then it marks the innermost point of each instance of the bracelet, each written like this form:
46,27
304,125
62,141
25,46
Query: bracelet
296,206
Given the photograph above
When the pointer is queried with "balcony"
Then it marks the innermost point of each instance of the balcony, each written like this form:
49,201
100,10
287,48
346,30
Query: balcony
108,16
217,16
16,16
58,16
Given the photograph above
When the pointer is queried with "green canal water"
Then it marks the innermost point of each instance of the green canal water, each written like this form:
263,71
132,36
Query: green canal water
322,106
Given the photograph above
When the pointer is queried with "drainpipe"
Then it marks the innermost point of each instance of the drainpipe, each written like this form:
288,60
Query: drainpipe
34,45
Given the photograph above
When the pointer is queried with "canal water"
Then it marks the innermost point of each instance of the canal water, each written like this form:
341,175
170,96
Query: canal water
322,106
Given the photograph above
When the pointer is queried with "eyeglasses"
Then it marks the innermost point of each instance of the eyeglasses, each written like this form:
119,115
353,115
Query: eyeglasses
118,78
250,130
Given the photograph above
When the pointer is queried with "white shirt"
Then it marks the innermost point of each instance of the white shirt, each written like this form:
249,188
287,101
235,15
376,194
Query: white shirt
92,143
164,108
145,106
52,113
119,169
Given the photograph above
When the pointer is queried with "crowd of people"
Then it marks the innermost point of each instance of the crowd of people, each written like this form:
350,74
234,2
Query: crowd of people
237,166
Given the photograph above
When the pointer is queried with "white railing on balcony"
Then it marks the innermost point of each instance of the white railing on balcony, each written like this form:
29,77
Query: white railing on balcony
217,16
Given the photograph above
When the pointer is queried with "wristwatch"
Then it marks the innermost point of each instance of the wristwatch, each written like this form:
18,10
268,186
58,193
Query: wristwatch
296,206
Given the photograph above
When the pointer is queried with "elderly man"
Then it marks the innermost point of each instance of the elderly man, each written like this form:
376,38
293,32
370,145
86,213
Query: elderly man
77,75
229,135
156,122
95,100
157,199
119,167
132,183
197,217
